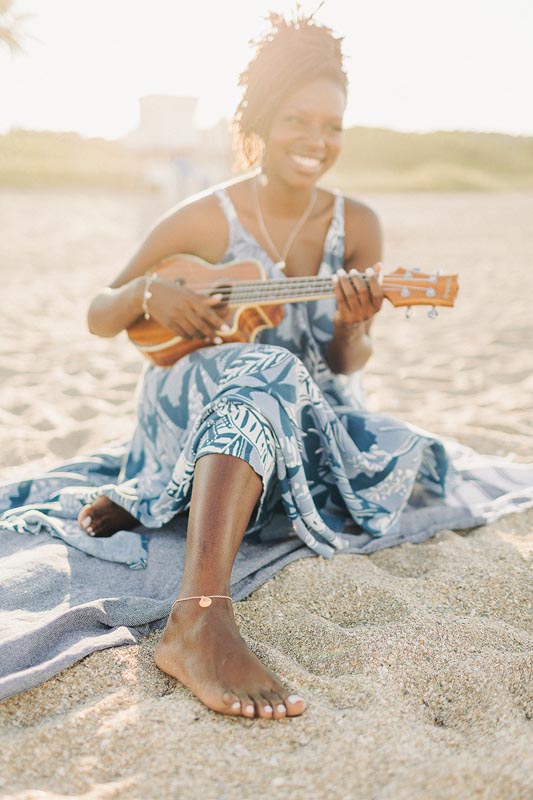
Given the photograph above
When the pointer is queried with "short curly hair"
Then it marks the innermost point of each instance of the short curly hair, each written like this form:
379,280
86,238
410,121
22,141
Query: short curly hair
292,53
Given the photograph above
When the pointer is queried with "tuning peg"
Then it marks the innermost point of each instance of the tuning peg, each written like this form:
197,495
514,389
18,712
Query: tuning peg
408,312
433,313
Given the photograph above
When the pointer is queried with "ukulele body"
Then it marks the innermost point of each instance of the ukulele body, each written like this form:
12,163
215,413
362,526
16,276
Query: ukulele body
163,347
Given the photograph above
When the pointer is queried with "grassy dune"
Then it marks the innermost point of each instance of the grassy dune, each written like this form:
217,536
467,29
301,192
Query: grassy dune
376,159
372,159
45,158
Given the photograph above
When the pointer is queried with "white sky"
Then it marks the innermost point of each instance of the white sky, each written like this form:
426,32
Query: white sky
413,64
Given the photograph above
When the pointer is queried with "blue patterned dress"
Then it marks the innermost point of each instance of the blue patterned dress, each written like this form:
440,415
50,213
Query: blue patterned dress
329,463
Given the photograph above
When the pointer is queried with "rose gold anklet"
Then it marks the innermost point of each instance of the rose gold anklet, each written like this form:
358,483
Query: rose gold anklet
205,599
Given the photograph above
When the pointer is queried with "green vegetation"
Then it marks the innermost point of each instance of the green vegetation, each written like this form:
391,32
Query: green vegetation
372,159
376,159
44,158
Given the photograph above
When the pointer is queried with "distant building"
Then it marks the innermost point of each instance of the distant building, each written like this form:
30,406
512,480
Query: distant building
178,158
166,125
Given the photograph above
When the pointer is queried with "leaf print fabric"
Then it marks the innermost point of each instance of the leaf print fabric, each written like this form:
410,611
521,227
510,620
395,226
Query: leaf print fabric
333,467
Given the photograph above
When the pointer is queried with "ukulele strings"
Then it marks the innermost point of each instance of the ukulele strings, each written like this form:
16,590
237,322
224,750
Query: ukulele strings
254,291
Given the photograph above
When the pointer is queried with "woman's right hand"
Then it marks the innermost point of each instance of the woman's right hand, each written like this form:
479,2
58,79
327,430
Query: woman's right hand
184,312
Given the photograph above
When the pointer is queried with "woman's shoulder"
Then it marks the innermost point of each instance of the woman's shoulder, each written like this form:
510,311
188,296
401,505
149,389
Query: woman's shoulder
363,234
197,224
208,198
357,212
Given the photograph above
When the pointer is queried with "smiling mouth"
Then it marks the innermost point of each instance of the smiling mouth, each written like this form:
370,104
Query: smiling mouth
307,163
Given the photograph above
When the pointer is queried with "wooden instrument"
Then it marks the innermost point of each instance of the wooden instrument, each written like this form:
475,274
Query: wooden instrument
251,302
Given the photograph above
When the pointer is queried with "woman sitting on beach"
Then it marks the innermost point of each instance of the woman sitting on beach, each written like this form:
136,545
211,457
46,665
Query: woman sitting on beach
271,421
289,120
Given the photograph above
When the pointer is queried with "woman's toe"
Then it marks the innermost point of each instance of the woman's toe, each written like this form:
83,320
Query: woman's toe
263,707
84,517
279,710
295,704
232,703
86,521
247,705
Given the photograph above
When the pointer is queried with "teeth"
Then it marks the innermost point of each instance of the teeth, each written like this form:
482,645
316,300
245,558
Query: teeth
306,162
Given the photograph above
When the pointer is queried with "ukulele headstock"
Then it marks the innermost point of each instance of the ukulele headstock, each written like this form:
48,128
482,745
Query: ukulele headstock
412,287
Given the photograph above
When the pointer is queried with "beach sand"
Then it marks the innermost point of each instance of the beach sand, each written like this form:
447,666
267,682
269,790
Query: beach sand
417,661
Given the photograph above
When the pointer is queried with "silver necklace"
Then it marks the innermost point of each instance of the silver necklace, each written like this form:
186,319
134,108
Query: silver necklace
281,262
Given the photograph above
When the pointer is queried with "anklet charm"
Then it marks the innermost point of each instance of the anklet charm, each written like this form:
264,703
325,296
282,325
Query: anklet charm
204,599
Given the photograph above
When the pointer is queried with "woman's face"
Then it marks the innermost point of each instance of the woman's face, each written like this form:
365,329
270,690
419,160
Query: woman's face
306,133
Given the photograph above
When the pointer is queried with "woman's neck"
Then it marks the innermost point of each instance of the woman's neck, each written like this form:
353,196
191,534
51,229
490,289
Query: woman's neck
278,199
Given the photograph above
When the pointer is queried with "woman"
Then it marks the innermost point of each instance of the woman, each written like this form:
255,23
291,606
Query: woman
291,117
273,420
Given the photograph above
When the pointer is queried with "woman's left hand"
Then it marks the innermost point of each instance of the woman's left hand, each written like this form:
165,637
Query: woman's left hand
359,295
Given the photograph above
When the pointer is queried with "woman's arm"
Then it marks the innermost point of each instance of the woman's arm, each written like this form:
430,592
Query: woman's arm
358,298
184,230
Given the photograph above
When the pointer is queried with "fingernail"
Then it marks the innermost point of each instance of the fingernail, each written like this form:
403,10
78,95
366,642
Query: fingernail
281,708
86,521
249,709
354,272
217,297
268,709
370,271
225,328
90,531
294,698
217,340
235,706
341,271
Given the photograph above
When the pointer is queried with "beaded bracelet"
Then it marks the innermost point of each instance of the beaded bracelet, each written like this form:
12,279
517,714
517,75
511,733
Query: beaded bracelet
148,279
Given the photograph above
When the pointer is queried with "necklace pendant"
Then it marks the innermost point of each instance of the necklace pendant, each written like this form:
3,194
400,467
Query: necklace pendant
280,265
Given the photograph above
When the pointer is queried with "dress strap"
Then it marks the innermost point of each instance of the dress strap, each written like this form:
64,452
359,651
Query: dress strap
225,203
334,244
231,217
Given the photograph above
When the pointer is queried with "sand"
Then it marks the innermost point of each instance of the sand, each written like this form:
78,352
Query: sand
416,661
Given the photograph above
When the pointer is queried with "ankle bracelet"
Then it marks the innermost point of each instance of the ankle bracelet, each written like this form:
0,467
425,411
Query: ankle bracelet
204,599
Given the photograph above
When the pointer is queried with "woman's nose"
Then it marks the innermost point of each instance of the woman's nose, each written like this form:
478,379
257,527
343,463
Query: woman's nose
314,137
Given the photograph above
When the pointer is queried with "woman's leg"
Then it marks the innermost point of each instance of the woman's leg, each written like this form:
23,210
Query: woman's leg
202,647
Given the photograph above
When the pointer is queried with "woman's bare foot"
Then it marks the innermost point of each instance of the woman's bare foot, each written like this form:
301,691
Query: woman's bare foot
104,518
203,649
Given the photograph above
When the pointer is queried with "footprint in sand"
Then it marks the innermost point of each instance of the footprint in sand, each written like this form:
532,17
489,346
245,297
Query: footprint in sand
68,445
83,412
43,425
18,408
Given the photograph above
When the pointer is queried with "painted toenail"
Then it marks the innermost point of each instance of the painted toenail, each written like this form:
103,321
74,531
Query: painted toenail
268,709
236,706
249,709
294,698
281,708
86,521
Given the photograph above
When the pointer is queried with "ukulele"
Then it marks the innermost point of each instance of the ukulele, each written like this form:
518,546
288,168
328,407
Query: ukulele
251,302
